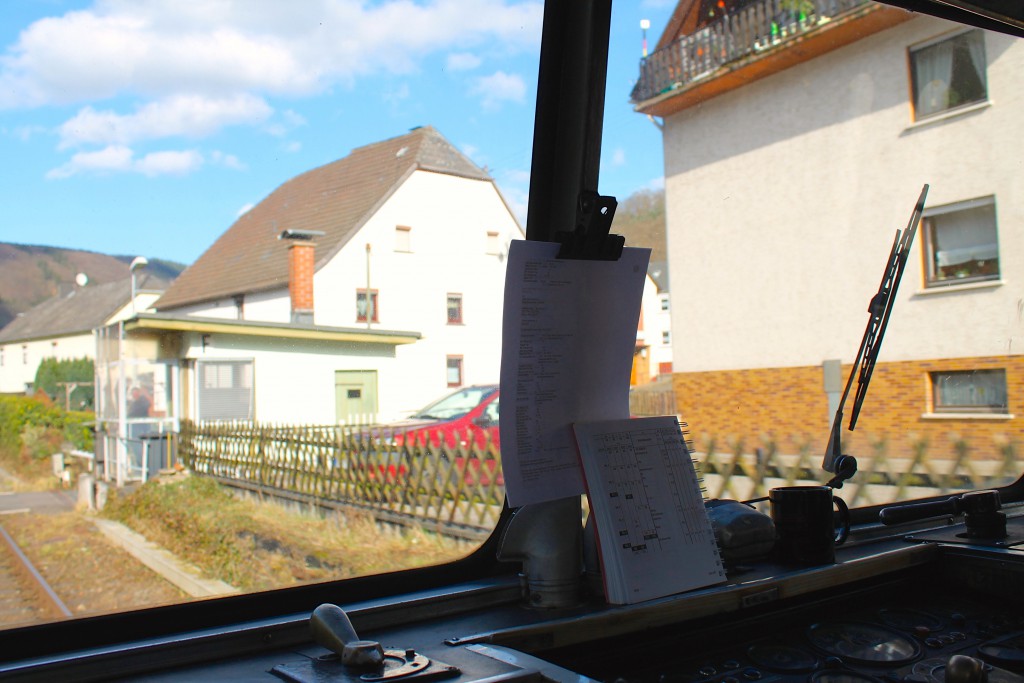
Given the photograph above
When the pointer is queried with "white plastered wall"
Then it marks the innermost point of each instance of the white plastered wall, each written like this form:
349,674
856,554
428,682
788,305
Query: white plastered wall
783,198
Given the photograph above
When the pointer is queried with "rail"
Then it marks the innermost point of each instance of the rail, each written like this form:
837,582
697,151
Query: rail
25,592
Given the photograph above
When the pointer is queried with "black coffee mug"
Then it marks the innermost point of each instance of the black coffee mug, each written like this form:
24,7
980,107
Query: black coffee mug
805,524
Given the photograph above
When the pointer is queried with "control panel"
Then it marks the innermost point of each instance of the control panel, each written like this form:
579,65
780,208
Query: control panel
892,635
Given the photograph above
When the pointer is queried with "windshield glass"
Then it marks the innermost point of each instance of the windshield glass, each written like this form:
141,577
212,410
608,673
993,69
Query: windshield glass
241,240
455,405
798,137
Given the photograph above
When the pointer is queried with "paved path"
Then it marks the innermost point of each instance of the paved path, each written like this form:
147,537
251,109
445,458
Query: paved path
39,502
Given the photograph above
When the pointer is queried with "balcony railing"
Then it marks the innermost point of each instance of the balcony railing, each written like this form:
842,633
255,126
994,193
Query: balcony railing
757,28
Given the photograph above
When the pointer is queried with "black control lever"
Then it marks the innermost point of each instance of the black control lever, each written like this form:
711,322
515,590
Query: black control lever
980,509
911,512
332,628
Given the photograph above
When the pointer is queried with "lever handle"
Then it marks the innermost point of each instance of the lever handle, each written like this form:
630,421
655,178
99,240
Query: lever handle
897,514
964,669
332,628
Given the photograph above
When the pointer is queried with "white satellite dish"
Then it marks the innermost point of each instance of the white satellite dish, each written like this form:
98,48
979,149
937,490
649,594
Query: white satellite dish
81,279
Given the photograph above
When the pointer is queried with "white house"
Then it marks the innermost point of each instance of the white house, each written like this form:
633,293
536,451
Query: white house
794,149
362,289
62,328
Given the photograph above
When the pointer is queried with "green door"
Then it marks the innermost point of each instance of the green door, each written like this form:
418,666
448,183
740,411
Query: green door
355,396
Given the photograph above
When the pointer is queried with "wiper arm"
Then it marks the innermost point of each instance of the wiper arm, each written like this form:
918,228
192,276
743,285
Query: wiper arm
880,309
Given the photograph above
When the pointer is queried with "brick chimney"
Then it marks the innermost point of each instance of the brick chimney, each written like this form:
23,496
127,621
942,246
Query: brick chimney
301,263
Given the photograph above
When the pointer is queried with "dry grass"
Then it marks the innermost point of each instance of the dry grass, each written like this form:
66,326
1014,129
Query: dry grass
260,545
90,575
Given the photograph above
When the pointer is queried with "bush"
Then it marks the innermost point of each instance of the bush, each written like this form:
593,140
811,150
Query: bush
34,424
52,373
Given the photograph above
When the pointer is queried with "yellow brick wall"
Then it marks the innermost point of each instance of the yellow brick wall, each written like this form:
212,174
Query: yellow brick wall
788,406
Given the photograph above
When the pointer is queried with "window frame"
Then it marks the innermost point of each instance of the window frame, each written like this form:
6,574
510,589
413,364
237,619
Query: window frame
932,280
940,407
201,386
915,88
459,319
459,366
403,239
374,302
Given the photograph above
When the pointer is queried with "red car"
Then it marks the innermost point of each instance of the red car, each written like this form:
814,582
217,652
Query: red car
467,417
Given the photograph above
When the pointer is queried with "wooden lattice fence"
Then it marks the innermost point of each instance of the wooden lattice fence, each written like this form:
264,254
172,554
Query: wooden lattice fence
460,491
457,490
741,475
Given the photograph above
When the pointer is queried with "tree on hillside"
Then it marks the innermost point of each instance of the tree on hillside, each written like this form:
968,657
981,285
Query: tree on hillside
67,381
640,218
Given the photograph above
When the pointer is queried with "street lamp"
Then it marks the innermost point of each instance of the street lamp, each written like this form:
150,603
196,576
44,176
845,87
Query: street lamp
137,263
644,25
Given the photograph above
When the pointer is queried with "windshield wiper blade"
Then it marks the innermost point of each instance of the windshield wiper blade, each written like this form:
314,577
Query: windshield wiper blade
879,309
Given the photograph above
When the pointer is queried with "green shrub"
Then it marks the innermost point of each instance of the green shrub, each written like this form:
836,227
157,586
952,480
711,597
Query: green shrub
53,376
30,423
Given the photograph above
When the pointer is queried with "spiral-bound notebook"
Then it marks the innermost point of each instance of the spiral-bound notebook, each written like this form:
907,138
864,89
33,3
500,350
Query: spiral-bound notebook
653,532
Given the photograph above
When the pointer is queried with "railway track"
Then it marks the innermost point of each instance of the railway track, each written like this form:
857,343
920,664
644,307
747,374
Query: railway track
25,596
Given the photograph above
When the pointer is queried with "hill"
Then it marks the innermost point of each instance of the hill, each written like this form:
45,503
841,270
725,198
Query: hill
31,274
640,218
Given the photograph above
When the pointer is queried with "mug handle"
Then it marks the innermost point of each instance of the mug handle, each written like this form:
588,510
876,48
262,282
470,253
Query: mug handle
844,520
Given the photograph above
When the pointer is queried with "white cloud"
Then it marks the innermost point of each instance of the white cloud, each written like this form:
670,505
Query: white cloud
169,163
120,159
463,61
191,70
191,116
246,208
227,160
105,160
162,48
618,157
293,147
498,88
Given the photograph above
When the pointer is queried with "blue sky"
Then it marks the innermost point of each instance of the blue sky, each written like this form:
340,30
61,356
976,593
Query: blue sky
146,127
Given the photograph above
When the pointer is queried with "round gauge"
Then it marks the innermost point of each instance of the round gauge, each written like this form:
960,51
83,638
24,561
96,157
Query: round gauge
911,620
782,658
863,643
839,676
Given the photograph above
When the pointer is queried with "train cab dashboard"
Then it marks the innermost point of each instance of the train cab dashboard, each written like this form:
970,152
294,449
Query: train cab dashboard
899,605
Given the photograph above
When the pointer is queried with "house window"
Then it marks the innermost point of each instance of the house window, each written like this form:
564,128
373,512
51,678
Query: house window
666,337
948,73
454,371
664,303
403,238
970,391
362,315
225,390
1,357
960,243
24,355
493,243
454,309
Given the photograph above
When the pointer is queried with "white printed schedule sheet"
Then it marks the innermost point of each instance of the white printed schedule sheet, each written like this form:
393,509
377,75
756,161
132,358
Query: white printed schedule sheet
653,532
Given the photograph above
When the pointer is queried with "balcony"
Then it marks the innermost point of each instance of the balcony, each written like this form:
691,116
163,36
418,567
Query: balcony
761,39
